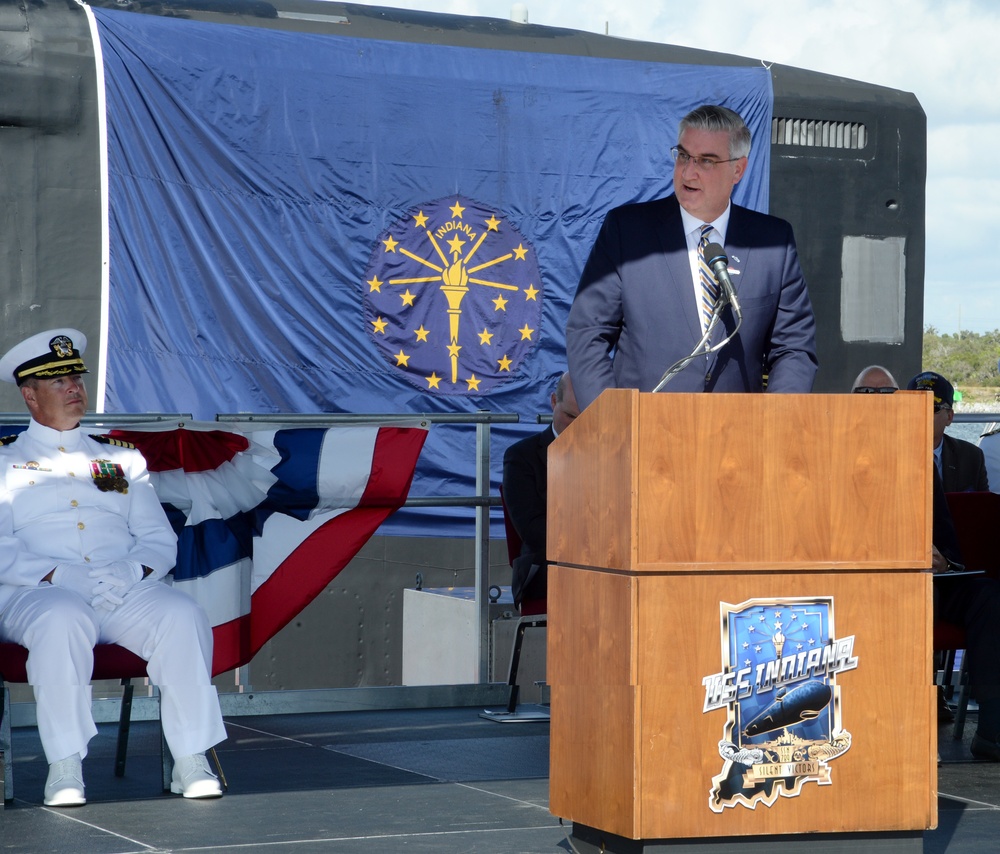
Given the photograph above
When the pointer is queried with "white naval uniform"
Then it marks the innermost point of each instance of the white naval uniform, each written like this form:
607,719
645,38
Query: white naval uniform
52,512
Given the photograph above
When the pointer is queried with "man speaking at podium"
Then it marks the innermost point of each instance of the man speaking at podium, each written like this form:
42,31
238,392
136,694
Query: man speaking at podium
647,294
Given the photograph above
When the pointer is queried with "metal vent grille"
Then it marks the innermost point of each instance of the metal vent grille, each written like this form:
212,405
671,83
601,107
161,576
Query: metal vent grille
819,134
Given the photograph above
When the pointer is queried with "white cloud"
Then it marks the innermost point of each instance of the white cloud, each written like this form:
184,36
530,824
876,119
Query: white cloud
940,51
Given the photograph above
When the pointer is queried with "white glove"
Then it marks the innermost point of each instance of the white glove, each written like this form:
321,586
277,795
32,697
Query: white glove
122,575
98,592
75,577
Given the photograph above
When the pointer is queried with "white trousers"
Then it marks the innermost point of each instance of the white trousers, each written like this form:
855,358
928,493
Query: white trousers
164,626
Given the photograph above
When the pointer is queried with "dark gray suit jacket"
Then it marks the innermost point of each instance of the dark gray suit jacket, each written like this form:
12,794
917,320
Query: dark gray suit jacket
525,494
963,466
636,300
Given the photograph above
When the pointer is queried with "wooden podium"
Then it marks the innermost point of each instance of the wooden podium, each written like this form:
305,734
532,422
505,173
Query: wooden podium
674,522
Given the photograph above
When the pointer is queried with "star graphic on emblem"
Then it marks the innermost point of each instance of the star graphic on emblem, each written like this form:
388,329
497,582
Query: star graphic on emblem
390,244
520,252
420,220
375,284
473,383
453,349
499,304
504,363
455,245
433,381
530,292
407,298
402,359
526,332
421,333
457,210
379,325
493,224
485,337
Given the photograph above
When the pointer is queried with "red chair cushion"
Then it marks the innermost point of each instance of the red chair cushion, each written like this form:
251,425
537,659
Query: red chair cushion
948,636
110,662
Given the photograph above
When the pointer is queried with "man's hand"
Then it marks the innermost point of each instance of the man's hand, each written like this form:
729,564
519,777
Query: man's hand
99,593
938,561
75,577
121,575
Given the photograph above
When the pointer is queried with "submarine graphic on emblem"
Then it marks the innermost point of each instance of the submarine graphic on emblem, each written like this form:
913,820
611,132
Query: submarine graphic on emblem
801,704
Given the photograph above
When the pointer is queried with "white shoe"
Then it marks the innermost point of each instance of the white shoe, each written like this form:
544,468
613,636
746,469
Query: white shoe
64,786
193,778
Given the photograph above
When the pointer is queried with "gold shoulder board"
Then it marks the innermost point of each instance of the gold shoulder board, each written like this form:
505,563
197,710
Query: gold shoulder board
108,440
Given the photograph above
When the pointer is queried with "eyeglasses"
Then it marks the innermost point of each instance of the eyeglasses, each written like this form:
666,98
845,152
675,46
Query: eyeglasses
706,163
939,406
869,389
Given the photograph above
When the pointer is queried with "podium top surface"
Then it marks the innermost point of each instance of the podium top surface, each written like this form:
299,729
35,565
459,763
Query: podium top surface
700,482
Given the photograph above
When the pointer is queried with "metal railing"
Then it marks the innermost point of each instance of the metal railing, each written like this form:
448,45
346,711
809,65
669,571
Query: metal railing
345,698
482,500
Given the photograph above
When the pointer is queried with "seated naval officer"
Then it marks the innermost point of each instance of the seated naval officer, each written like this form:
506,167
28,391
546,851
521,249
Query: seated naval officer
969,601
84,544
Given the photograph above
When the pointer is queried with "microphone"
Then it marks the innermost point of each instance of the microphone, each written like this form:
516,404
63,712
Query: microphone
718,263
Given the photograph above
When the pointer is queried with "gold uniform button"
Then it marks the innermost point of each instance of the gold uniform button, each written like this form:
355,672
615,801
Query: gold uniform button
80,525
61,448
74,503
86,560
72,474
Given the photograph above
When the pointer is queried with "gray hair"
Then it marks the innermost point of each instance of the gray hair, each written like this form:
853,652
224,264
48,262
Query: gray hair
560,391
872,369
715,119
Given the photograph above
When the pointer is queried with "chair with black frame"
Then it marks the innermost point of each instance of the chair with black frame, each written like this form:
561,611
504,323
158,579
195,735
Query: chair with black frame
110,662
533,616
975,516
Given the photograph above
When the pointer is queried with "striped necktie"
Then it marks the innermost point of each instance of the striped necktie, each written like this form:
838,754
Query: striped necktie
709,287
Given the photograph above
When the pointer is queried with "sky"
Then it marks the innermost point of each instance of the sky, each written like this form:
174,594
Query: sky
940,50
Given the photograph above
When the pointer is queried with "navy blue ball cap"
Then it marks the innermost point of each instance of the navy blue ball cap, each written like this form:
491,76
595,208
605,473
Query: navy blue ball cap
944,393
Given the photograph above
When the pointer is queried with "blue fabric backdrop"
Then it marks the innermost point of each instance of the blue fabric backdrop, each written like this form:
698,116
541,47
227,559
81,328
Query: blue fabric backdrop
307,223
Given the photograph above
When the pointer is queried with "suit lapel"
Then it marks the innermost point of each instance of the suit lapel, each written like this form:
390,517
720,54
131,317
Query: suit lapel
678,269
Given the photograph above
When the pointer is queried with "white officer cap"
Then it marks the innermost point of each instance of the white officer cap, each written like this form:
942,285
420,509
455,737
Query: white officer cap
55,353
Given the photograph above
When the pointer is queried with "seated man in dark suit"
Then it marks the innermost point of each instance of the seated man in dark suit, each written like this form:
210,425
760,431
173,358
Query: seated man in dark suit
961,464
971,602
525,478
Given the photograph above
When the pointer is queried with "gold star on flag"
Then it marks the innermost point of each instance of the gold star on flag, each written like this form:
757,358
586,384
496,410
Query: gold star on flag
456,244
375,284
520,252
493,224
433,381
421,333
407,298
530,292
526,332
453,350
390,244
402,359
504,363
379,325
473,383
457,210
499,304
485,337
421,220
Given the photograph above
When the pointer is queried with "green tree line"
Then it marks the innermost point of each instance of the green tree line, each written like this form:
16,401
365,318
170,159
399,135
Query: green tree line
966,358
